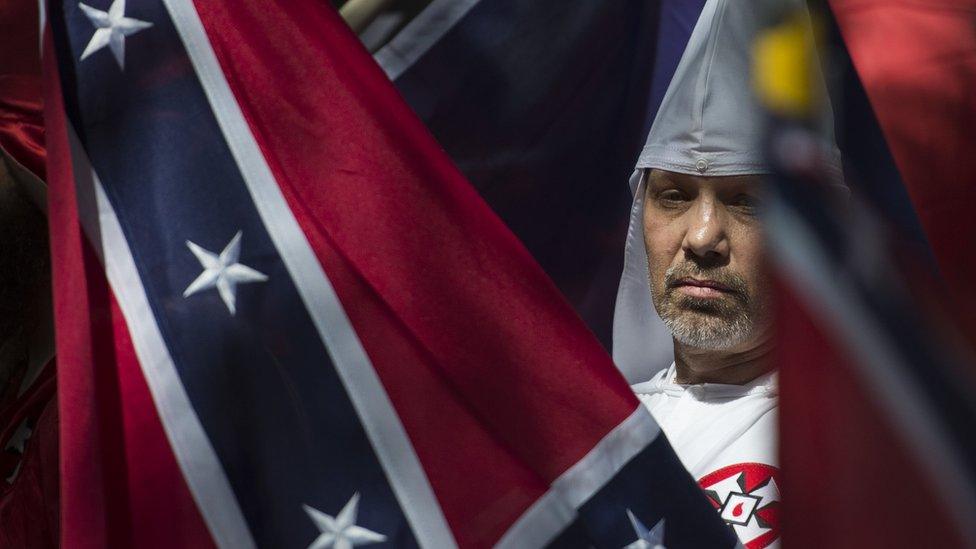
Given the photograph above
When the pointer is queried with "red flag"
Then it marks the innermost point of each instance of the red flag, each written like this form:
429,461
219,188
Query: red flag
284,314
917,63
878,391
21,126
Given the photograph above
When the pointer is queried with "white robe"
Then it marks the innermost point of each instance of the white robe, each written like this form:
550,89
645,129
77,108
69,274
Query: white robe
725,435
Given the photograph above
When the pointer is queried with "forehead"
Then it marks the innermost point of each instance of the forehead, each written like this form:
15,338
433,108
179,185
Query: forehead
657,178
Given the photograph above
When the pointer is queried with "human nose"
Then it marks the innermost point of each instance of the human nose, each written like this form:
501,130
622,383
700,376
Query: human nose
706,235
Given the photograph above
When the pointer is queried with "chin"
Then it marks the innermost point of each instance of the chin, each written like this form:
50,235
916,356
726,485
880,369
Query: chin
708,332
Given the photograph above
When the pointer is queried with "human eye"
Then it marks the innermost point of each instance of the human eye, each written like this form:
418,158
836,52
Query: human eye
671,198
747,203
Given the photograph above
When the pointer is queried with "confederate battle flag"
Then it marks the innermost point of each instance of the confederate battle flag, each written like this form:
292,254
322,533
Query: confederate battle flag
286,320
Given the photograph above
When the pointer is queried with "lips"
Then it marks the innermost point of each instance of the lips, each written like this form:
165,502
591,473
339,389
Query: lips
688,281
701,288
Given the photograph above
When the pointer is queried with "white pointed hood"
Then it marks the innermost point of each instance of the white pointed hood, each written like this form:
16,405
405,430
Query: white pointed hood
709,124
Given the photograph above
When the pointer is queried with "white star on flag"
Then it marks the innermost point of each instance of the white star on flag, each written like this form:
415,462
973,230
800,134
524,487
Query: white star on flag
341,532
646,539
112,27
222,272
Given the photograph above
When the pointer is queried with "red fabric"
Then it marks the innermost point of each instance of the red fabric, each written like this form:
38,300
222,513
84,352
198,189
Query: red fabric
29,507
917,61
841,452
481,485
849,478
120,483
21,107
440,292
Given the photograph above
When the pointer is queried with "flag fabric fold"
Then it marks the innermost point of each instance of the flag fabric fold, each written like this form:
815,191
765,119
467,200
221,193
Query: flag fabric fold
878,389
542,106
285,318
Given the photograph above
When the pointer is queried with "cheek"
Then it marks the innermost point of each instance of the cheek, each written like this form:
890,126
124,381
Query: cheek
663,244
749,256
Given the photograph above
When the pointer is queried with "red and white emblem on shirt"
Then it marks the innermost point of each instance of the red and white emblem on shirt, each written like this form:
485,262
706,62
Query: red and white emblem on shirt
746,495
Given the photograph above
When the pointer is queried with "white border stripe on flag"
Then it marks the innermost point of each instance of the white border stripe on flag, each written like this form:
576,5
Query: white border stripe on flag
836,303
556,509
195,455
420,35
379,418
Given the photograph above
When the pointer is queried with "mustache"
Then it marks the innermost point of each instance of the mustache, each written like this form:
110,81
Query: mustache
735,283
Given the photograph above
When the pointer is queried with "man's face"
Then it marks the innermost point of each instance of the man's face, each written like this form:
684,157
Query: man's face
706,258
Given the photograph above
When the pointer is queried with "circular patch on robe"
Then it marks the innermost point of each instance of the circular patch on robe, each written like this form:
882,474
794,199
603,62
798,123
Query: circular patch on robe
746,495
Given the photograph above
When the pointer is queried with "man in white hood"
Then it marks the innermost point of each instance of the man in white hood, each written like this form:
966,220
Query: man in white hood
695,255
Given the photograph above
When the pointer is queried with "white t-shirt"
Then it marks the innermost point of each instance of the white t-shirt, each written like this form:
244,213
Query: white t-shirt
725,435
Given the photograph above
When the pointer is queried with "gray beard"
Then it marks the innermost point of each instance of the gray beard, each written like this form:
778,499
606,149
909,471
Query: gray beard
708,333
705,323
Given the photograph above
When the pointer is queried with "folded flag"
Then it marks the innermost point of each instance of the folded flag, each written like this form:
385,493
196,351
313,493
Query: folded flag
286,320
543,106
878,392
